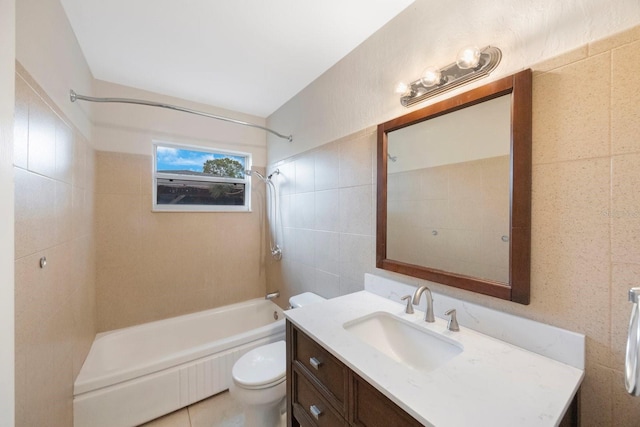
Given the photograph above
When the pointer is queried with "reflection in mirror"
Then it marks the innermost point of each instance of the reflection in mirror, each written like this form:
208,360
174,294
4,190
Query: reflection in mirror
448,191
454,191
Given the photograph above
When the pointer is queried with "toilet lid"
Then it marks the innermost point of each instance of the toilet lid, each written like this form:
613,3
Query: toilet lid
261,366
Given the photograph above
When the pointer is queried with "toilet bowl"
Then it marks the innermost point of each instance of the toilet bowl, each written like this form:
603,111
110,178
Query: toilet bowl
259,383
259,377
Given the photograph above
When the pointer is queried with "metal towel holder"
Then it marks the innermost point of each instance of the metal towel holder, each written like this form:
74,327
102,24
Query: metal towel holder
633,346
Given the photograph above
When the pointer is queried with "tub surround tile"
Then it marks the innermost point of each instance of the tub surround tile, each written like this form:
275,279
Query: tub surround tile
327,205
355,161
326,159
305,174
34,211
355,210
21,124
42,138
65,150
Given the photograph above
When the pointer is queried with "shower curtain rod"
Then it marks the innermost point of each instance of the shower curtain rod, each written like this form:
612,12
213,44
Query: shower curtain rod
74,97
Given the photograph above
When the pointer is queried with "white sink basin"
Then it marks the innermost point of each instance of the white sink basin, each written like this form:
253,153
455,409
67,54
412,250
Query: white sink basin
418,348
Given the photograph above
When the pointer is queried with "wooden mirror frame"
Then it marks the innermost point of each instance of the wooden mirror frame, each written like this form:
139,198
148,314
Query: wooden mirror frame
517,290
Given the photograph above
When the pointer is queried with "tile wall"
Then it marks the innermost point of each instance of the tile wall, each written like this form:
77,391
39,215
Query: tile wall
154,265
585,218
55,305
326,224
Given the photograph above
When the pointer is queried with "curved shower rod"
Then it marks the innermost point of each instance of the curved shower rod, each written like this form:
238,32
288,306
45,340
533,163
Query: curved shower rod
74,97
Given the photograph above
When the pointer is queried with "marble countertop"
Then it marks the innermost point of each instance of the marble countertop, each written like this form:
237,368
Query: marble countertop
491,383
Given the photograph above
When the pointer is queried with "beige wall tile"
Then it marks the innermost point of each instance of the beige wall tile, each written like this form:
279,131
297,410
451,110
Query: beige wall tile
617,40
355,210
625,209
327,163
65,151
625,99
154,265
571,111
118,173
118,230
55,306
571,195
326,285
596,401
626,408
355,257
79,174
561,60
303,205
42,138
305,173
63,212
327,252
327,205
21,124
355,161
34,211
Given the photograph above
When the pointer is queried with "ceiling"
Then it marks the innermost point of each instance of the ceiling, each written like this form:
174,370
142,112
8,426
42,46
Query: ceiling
249,56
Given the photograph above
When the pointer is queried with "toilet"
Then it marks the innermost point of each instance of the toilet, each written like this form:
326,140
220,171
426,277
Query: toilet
259,376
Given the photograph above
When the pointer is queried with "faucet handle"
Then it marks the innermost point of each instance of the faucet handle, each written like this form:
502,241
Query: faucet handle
409,309
452,325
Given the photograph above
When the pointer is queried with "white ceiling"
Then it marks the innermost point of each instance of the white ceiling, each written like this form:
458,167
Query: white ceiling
245,55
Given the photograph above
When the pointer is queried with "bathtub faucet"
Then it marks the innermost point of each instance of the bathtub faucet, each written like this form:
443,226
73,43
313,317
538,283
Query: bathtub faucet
272,295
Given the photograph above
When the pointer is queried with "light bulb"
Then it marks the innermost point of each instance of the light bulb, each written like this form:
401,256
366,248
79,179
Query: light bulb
431,76
469,57
401,88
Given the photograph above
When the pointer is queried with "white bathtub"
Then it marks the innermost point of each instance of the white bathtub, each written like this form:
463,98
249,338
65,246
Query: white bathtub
136,374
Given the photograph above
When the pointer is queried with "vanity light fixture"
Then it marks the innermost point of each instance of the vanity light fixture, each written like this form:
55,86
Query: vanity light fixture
471,64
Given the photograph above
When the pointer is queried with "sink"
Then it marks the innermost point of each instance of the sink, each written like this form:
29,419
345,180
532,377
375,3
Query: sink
404,342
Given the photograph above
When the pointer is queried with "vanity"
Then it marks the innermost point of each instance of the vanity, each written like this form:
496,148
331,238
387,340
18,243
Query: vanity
351,361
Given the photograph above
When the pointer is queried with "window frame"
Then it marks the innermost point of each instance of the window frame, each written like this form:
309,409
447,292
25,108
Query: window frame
199,208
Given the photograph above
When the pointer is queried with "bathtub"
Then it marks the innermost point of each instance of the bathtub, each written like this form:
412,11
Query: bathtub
136,374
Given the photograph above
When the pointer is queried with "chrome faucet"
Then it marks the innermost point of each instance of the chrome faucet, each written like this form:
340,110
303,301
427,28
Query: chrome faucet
428,316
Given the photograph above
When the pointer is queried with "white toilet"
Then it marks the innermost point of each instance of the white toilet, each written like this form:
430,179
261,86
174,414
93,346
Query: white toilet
259,377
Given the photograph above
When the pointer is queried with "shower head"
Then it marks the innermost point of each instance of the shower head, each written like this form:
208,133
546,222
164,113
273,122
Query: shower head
262,177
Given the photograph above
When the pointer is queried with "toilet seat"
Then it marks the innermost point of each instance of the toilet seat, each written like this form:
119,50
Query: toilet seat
262,367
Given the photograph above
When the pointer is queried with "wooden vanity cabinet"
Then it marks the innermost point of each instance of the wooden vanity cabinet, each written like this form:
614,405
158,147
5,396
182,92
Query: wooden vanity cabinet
323,392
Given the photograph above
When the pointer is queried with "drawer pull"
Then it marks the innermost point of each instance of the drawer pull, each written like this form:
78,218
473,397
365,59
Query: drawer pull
315,363
315,411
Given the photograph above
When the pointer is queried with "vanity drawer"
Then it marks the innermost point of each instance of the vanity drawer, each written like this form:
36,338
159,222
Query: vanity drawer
310,407
320,364
370,408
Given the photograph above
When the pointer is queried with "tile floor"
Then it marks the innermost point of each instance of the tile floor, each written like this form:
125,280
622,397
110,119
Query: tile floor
217,411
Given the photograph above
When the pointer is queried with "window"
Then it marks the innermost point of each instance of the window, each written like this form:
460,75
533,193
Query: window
200,179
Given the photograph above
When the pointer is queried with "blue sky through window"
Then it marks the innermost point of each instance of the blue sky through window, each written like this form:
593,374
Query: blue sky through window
179,159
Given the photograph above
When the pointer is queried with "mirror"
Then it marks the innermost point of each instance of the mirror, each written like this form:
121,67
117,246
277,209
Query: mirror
454,191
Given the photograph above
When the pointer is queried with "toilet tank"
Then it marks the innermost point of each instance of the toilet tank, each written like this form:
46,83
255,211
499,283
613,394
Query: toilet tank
304,298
